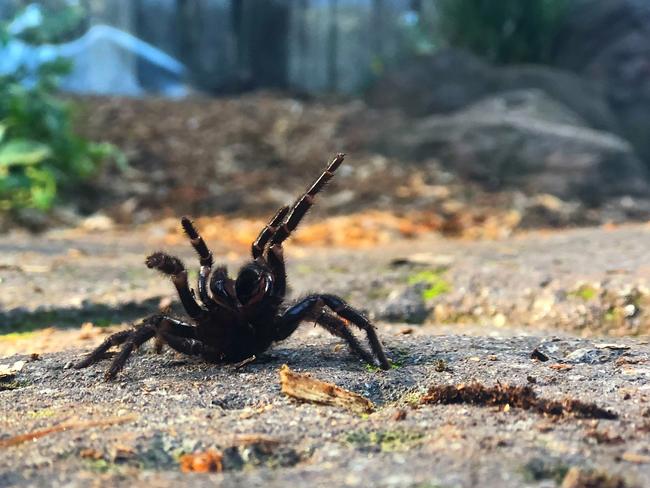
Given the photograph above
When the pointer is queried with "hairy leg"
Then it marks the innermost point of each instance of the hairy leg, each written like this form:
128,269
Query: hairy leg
304,203
275,258
353,316
338,327
311,307
174,267
205,260
189,346
135,337
98,354
267,232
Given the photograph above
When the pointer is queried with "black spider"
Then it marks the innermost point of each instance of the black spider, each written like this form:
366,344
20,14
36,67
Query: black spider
238,319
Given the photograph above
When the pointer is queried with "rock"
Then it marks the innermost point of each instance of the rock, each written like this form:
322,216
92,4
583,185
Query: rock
547,210
608,41
588,355
524,140
582,97
453,79
405,306
582,478
447,81
98,222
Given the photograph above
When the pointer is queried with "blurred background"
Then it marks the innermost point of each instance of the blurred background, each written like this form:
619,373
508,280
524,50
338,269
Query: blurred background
466,117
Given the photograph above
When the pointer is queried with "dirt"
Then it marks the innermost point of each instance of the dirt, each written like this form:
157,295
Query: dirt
175,406
588,282
245,156
63,427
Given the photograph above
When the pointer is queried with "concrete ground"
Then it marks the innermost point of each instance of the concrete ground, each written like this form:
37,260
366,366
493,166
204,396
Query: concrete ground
561,312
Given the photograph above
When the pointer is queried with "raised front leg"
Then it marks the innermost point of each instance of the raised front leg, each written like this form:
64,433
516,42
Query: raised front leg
205,260
267,232
304,203
174,267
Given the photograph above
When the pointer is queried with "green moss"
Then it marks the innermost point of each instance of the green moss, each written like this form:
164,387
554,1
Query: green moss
397,359
584,292
103,322
17,335
385,440
435,283
44,413
304,269
412,398
98,465
12,385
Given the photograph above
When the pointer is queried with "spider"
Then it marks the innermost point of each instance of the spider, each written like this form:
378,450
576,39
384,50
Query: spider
235,320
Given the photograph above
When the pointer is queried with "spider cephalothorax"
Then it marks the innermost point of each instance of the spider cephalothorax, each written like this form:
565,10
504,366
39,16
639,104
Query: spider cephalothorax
234,320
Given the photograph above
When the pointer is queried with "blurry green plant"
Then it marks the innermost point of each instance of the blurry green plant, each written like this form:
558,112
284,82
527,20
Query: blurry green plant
40,155
62,21
503,31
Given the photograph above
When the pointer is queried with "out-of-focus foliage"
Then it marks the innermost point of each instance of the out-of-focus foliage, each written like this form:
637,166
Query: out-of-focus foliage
60,21
503,31
39,152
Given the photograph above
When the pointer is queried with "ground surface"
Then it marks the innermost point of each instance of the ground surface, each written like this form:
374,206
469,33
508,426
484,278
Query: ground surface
482,309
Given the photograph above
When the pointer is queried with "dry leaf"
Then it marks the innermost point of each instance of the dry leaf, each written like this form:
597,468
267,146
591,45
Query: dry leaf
210,461
7,372
304,387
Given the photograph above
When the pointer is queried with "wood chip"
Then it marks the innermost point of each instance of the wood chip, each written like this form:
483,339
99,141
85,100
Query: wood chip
304,387
613,347
633,457
560,367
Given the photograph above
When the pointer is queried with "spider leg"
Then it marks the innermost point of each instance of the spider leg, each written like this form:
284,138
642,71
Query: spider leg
338,327
304,203
219,286
135,340
205,259
345,311
275,258
172,266
268,231
98,354
186,345
311,307
155,325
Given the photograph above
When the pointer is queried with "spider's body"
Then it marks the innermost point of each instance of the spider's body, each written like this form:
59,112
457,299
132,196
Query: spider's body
234,320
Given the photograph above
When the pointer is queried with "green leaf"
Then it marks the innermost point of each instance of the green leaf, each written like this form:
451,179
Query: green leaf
23,152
